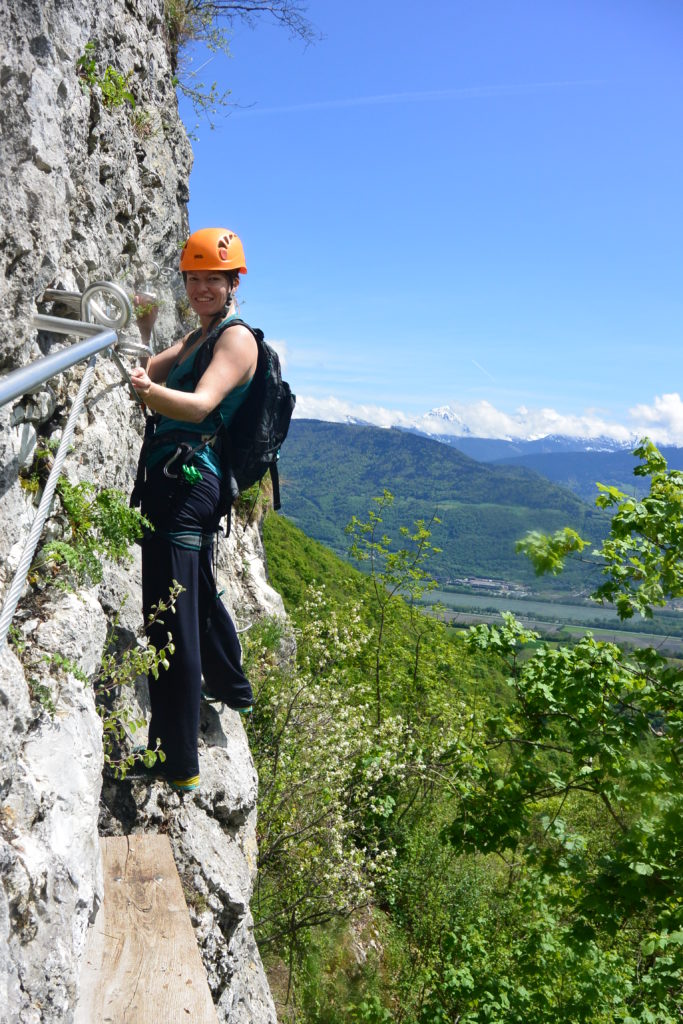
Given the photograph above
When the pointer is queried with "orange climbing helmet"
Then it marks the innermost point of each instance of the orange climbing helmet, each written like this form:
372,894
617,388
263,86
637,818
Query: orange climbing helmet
213,249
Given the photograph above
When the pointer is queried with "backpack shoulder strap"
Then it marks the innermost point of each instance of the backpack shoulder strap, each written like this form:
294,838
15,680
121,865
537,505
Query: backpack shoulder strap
205,353
275,481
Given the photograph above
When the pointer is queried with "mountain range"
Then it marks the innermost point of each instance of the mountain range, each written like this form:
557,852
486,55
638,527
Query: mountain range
489,449
576,463
450,424
332,471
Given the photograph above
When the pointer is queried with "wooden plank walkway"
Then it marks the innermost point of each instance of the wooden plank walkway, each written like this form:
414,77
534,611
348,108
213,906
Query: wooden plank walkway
142,962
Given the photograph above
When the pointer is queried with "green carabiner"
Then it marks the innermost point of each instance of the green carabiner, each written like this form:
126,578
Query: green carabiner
192,474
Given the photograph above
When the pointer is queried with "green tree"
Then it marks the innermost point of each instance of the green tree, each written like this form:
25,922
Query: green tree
397,576
580,791
345,804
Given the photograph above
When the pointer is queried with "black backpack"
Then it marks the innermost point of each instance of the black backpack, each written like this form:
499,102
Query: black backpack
250,445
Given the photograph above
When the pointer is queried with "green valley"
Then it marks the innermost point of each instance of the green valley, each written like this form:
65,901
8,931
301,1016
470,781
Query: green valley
331,470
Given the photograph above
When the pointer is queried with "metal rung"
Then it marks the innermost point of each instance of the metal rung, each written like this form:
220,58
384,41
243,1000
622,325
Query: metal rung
27,378
72,299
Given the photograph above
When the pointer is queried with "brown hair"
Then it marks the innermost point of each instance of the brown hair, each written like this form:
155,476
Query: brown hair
233,276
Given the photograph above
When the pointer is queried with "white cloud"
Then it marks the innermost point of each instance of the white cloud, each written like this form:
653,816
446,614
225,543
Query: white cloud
662,420
483,419
335,410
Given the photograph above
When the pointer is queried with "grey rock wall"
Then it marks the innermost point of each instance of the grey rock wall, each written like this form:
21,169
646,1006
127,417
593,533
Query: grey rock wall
91,192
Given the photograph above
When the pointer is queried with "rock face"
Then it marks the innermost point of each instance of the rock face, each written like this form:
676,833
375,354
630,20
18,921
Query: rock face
93,190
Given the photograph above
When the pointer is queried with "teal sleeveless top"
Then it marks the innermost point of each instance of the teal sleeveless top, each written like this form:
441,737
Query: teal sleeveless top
181,378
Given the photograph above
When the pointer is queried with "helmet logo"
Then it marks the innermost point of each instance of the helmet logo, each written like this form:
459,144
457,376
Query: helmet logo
223,246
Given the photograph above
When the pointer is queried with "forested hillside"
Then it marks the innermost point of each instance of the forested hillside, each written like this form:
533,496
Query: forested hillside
331,470
580,471
477,830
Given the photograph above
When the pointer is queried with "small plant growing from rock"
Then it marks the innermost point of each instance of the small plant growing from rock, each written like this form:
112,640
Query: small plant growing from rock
112,685
210,23
117,675
67,665
184,311
115,88
87,67
32,478
113,85
96,525
43,695
194,898
16,640
144,125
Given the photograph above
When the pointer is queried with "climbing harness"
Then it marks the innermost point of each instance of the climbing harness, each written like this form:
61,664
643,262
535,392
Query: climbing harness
183,452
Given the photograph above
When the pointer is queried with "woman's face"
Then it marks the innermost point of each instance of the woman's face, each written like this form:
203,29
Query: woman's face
208,291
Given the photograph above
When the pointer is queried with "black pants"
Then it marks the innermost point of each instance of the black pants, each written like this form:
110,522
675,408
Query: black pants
204,635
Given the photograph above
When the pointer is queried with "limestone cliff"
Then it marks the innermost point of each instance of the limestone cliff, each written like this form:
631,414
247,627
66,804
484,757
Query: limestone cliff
93,191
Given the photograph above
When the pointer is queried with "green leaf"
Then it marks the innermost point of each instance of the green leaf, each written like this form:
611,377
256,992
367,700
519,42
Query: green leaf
642,869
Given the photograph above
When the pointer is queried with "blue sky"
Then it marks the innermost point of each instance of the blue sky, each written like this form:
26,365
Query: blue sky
473,204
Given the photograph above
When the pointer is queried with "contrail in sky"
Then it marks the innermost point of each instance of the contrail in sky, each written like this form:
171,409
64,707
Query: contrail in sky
471,92
483,370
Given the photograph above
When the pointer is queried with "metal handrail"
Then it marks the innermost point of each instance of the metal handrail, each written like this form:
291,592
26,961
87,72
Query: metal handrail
26,379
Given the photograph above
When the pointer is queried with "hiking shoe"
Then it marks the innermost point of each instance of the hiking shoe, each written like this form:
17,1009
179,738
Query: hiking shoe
158,773
141,771
184,785
210,699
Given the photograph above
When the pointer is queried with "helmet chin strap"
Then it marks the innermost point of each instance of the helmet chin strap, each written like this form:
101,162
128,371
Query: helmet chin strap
221,316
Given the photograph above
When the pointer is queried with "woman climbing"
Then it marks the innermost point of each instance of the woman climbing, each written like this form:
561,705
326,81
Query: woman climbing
180,496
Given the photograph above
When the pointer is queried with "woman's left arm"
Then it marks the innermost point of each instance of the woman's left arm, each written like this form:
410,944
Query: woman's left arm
233,363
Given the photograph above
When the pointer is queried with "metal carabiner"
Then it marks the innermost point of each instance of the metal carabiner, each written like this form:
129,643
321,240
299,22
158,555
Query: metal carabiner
183,450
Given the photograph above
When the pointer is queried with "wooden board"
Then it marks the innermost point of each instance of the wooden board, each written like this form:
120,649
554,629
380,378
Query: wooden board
141,962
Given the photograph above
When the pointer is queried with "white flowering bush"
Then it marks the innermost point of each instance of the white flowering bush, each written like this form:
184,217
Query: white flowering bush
332,781
318,770
360,743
